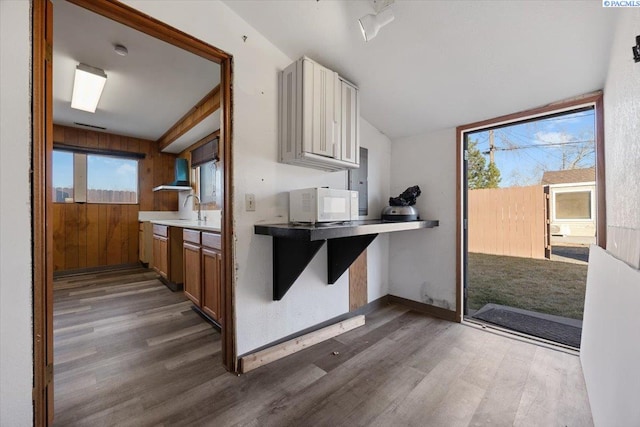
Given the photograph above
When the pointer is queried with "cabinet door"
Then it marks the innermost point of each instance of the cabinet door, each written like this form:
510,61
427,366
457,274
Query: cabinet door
350,120
320,115
191,277
161,255
211,283
142,256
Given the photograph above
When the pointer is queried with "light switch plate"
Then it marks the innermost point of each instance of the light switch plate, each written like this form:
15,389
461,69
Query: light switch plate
250,202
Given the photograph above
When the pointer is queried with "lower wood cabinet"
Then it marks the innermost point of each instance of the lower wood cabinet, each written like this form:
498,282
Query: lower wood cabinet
192,277
211,283
160,255
167,259
202,271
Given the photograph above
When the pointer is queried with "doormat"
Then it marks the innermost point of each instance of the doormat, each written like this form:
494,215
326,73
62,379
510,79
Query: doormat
553,328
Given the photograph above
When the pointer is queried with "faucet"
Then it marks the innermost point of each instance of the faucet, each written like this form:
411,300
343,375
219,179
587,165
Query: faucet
198,199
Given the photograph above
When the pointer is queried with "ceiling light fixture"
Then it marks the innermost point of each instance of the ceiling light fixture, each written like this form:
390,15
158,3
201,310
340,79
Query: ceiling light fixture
370,24
87,88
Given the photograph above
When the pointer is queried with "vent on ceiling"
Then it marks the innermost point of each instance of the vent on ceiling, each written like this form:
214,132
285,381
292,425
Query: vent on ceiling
89,126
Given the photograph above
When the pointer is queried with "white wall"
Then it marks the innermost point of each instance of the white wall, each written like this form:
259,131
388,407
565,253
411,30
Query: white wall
610,348
422,263
15,216
259,320
622,142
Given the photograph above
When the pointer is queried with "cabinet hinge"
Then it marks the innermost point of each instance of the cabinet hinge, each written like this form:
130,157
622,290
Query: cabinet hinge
464,223
49,374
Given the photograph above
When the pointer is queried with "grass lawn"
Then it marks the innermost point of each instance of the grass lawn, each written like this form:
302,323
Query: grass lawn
544,286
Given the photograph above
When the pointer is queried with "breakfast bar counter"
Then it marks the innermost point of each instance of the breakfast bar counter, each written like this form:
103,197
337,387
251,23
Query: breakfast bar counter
295,245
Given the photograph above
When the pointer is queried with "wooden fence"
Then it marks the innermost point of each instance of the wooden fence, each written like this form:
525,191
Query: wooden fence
509,221
97,196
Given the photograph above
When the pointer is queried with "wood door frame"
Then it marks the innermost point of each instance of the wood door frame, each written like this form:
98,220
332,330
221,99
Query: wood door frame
594,100
41,158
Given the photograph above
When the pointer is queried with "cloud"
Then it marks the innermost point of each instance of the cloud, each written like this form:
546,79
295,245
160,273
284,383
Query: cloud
126,169
553,137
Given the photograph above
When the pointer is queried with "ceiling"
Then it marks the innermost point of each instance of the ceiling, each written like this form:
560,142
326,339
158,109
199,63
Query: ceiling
442,64
146,92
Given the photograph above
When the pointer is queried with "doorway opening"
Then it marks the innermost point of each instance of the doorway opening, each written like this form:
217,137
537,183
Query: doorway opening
532,193
92,149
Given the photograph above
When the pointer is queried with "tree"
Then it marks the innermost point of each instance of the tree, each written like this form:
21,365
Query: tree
479,174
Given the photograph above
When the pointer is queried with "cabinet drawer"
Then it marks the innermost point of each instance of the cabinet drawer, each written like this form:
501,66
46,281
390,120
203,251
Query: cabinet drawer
191,236
161,230
211,240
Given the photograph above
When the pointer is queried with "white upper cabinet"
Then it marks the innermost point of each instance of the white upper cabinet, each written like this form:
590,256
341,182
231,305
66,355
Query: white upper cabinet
319,117
350,113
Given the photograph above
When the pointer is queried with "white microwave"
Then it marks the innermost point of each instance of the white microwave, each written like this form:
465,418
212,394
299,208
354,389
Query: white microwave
323,204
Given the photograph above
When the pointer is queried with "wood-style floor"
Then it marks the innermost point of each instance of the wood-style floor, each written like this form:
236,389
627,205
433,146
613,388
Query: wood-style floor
130,352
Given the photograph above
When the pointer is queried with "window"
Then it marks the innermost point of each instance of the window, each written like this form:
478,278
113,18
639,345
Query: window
204,161
207,182
94,178
111,179
62,176
573,205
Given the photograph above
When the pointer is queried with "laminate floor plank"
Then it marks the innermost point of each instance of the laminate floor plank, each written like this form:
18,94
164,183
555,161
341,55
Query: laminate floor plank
130,352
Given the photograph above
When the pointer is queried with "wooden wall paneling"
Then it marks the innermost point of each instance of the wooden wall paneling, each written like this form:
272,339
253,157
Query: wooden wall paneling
71,236
103,141
133,145
58,133
70,136
133,234
58,236
81,211
92,140
113,234
123,223
145,179
93,237
102,234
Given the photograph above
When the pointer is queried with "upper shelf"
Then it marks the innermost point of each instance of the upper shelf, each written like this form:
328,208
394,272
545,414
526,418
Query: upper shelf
335,231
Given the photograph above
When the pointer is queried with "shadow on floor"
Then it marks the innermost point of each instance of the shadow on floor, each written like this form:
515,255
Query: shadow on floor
574,254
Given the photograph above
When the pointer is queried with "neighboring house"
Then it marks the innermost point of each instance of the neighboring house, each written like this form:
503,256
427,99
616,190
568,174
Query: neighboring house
573,201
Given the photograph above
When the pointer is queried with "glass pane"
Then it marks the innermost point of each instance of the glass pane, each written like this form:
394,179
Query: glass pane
574,205
62,176
111,180
208,177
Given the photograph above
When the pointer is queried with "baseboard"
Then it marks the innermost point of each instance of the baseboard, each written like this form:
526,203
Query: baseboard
88,270
439,312
175,287
307,337
271,354
364,310
207,318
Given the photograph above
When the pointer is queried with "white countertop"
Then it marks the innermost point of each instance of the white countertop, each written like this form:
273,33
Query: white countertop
188,223
151,215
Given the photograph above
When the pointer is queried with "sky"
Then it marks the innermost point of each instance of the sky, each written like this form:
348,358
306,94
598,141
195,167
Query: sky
103,172
524,151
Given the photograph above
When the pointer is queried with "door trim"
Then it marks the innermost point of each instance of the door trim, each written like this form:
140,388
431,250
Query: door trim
595,100
42,208
42,268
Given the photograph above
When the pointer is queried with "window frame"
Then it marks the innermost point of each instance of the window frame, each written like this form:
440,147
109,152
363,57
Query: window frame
571,189
81,180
